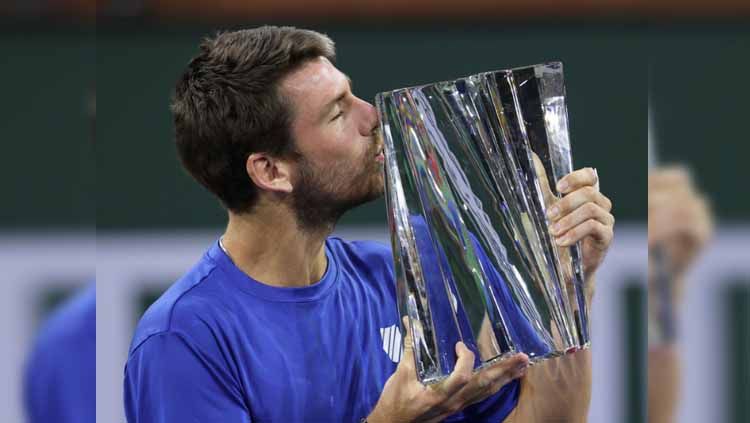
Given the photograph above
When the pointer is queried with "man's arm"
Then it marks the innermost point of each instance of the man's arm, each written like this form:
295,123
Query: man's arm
556,390
170,379
559,390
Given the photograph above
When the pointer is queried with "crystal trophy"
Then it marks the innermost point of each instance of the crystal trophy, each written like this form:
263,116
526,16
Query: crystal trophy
471,167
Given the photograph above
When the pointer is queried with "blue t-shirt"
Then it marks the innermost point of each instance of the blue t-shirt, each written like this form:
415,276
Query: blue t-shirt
219,346
60,380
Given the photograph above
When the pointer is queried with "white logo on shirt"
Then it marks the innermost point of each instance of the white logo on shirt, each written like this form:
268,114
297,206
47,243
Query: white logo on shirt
392,342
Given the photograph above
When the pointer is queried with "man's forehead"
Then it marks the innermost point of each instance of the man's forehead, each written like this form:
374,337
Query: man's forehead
316,77
313,89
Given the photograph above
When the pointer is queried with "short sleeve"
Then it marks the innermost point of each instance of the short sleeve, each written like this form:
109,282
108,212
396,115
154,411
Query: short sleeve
168,379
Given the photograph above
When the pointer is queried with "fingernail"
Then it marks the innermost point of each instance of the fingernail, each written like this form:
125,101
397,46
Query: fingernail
521,369
553,212
554,228
562,185
562,241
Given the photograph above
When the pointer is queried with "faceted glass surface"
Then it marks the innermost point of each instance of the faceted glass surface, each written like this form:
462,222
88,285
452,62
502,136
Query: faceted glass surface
471,167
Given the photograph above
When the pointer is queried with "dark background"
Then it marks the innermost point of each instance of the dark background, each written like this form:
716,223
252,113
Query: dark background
143,185
697,75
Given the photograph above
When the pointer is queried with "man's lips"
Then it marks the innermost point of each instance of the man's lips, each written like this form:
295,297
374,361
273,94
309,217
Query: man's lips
380,154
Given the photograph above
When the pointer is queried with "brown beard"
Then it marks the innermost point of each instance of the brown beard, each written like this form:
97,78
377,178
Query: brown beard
322,195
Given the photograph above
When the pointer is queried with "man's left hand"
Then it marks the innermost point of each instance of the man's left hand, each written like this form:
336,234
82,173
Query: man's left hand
583,214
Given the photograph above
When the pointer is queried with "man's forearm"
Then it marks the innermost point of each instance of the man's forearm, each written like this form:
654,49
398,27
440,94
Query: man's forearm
556,390
559,389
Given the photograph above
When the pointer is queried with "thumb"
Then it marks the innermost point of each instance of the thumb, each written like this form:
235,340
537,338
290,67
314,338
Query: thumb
407,357
408,339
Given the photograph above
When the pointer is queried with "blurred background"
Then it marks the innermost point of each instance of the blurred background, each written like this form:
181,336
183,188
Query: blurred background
680,64
697,112
47,210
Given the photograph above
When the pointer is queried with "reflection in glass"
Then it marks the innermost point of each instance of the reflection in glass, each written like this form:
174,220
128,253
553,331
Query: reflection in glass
471,167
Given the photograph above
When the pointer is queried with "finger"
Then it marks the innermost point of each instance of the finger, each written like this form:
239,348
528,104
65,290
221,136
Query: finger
670,176
680,231
499,385
504,371
670,198
407,364
671,203
518,372
486,382
575,199
490,379
461,374
692,207
670,189
577,179
600,232
692,223
408,347
581,214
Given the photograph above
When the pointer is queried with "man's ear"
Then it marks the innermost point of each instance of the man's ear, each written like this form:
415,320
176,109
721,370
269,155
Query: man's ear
269,173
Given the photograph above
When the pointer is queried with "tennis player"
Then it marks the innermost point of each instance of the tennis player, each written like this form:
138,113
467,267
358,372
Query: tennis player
279,321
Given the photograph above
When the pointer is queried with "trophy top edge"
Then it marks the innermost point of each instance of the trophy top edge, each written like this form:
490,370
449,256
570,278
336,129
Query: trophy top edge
556,64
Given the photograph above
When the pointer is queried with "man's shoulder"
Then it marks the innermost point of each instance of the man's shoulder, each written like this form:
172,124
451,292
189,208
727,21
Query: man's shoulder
369,263
187,298
373,252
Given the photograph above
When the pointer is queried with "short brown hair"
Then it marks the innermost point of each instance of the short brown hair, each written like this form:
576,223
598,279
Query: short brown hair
227,105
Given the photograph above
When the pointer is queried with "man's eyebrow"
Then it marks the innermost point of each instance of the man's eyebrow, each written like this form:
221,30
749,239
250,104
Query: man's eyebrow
330,104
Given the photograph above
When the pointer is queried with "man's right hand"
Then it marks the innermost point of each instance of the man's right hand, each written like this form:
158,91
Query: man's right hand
406,399
679,217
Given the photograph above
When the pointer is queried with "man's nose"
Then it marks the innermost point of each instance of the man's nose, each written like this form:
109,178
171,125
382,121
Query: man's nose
371,122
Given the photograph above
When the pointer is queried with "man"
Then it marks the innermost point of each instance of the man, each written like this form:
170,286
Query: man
280,322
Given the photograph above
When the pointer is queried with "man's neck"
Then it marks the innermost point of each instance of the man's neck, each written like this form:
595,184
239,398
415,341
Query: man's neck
269,247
